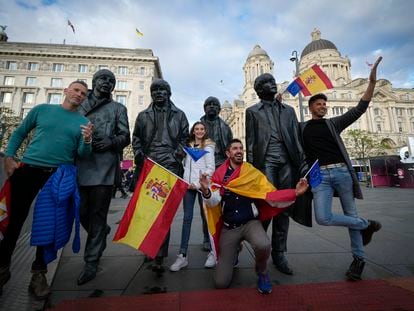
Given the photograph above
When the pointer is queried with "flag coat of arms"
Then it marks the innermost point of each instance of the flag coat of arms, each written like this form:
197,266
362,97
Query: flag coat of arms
5,197
249,182
310,82
151,210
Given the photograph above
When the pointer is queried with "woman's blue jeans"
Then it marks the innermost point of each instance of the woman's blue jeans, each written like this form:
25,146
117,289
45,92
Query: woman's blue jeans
188,204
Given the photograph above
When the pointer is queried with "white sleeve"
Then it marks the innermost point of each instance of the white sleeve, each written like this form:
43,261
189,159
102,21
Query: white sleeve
214,199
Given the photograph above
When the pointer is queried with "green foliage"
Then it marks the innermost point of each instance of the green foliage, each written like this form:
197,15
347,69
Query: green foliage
363,144
8,123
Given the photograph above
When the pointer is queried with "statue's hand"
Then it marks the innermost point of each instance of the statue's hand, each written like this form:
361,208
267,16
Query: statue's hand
102,143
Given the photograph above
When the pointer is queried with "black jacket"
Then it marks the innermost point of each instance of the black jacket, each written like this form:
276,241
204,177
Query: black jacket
258,134
146,128
109,118
336,125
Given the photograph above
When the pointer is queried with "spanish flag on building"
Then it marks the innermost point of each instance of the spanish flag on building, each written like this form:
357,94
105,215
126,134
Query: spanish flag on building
247,181
310,82
151,210
5,196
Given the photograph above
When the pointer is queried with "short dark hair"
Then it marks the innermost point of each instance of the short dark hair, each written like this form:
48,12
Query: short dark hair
233,141
212,99
79,82
160,83
315,97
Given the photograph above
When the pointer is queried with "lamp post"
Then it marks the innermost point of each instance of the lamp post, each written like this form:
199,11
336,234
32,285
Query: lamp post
294,58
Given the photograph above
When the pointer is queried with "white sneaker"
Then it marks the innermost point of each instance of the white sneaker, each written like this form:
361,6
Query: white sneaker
211,261
179,263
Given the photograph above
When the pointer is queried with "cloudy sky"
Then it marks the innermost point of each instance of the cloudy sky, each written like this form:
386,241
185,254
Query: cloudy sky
201,43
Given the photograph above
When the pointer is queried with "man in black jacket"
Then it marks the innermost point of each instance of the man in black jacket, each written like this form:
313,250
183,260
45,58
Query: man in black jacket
273,146
322,141
160,131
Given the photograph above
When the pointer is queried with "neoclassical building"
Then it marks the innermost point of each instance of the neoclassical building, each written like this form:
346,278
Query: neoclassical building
390,116
34,73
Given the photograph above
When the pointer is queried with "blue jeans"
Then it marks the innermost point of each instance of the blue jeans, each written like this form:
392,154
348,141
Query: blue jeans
339,180
188,204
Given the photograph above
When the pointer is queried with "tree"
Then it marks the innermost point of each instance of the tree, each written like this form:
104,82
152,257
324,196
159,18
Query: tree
9,121
363,144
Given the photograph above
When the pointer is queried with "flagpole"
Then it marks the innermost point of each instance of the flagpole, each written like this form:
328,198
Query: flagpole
294,58
168,170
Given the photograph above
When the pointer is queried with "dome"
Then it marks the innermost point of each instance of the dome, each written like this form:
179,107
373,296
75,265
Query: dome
257,51
317,44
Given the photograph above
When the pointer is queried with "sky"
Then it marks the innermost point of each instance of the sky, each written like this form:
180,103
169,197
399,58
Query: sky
203,45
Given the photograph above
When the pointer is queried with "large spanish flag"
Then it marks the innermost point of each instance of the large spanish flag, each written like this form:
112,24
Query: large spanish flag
247,181
310,82
151,210
5,197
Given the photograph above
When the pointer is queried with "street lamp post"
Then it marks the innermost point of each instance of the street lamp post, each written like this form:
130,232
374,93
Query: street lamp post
294,58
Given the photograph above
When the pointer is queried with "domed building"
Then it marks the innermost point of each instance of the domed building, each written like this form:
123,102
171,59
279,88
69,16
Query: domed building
389,118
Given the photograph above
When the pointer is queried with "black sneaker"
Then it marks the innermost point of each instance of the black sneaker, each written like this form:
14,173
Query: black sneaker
355,269
373,226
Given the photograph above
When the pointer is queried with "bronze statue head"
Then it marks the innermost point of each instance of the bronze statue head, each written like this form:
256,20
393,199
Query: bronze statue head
265,86
103,82
212,107
160,92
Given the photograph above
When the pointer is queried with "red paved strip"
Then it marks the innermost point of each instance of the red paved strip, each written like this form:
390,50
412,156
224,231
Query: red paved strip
338,296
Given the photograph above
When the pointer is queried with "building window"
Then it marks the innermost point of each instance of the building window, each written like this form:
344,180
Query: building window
56,82
399,111
337,111
334,95
305,110
8,80
407,96
54,98
140,100
11,65
253,96
6,97
121,85
33,66
349,95
122,70
83,68
376,112
378,127
103,67
141,85
411,111
28,98
142,71
121,99
400,127
412,125
58,67
30,81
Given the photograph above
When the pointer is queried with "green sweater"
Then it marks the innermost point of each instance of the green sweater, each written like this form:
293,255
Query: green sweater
57,138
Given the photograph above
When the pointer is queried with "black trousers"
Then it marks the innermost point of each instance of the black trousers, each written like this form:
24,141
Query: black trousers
280,175
25,184
94,208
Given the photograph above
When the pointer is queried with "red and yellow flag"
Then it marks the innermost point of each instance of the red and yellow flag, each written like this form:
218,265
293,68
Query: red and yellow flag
5,196
310,82
151,210
247,181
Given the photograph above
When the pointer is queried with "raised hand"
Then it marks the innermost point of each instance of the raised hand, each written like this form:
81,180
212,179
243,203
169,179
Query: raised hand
373,74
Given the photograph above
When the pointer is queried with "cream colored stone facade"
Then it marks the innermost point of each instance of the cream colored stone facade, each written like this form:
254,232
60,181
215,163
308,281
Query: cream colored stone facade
32,73
390,116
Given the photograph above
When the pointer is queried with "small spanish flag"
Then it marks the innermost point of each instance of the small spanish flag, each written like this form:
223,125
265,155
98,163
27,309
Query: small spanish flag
139,33
310,82
151,210
5,197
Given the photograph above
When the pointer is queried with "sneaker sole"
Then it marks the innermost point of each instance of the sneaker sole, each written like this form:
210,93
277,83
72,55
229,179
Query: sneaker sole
172,270
264,292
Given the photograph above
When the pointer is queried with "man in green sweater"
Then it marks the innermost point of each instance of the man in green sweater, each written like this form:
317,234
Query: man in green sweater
60,134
